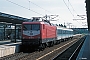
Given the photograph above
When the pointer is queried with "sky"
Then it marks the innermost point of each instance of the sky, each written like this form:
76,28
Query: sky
67,10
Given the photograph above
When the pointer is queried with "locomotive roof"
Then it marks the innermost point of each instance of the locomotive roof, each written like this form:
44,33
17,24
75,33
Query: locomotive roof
38,22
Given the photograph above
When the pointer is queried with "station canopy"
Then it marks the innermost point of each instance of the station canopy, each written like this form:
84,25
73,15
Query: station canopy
11,18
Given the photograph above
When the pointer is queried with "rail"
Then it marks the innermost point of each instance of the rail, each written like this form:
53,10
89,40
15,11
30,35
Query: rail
70,52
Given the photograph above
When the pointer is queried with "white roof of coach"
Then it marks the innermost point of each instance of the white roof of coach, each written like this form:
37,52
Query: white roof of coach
62,28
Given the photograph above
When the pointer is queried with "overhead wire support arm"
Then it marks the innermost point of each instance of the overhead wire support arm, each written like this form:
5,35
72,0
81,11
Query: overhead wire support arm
83,18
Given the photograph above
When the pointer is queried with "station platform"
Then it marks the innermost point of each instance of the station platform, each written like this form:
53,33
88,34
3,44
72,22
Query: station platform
84,53
7,47
3,42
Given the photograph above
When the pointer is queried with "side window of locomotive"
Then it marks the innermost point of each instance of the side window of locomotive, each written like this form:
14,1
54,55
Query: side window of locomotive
35,27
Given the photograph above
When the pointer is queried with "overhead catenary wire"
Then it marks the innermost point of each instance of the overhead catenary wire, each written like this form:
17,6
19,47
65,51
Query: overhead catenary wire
68,8
26,7
77,13
74,10
41,8
29,4
31,9
38,6
72,7
65,4
23,7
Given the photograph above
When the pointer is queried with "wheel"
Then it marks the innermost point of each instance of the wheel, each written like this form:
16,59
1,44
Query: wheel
41,47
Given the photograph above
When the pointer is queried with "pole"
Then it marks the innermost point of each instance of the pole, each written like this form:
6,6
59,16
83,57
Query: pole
4,31
88,13
15,33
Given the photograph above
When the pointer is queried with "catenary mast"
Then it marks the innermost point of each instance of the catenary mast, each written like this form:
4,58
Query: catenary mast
88,13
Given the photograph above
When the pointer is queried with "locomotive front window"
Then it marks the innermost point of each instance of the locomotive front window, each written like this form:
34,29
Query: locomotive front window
31,27
35,27
27,27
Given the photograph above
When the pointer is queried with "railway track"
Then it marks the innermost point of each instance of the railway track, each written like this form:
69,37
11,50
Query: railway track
72,52
13,56
46,54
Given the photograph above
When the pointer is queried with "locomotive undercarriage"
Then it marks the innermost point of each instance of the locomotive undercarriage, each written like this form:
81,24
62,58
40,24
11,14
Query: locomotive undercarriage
28,45
38,44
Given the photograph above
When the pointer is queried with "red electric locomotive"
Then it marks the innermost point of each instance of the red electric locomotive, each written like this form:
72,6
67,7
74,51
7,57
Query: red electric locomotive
38,33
